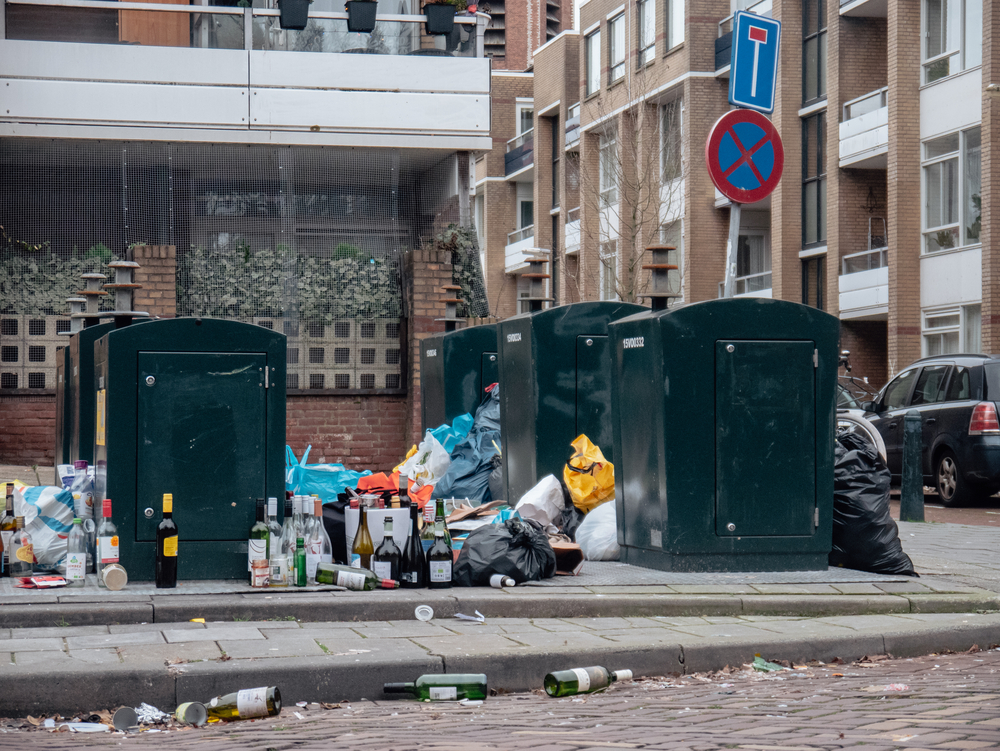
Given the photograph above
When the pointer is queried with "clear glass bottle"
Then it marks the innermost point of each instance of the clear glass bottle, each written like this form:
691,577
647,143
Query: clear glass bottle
412,566
258,544
107,542
166,546
297,519
7,526
386,560
364,548
452,687
273,542
76,555
246,704
326,544
359,579
439,560
583,680
313,539
287,558
23,559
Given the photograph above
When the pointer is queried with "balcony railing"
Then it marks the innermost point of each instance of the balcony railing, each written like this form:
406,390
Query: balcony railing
520,152
864,130
749,284
573,125
522,234
867,260
228,28
867,103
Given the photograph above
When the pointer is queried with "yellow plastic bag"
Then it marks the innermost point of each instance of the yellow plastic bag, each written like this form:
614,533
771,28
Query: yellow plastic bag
588,475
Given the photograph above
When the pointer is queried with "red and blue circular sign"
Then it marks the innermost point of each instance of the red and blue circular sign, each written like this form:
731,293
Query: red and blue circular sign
744,156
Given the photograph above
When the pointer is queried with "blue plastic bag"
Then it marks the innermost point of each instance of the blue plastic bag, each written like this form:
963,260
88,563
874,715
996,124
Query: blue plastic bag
469,473
324,480
450,435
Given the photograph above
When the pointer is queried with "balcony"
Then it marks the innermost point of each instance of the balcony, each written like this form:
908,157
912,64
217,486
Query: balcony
519,161
864,285
146,65
864,8
573,126
752,285
520,247
724,40
864,131
571,233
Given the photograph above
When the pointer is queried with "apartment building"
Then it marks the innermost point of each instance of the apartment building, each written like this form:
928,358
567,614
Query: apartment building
881,217
277,176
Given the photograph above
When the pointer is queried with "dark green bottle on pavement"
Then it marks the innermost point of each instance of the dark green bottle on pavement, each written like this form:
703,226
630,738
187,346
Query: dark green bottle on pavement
583,680
442,687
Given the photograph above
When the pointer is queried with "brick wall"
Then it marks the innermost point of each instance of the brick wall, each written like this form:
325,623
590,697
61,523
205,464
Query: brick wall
990,179
28,432
866,341
157,273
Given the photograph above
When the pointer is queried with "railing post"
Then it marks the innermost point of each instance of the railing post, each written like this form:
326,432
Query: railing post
481,35
248,30
911,494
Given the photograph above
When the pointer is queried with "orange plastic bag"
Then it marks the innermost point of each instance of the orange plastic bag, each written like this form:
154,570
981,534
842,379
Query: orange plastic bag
588,475
380,481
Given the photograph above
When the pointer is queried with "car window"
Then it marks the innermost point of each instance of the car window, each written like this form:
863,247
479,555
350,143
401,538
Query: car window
930,385
898,390
845,399
960,387
992,372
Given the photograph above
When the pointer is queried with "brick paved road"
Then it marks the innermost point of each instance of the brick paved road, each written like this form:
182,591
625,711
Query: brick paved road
944,702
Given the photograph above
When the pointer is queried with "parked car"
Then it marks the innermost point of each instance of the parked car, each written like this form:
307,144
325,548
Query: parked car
956,396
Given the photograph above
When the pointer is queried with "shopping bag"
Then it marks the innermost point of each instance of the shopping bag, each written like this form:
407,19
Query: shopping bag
588,475
429,463
324,480
48,517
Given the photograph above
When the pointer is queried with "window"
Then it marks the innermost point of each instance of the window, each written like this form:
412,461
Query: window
952,191
814,180
527,214
753,263
812,281
593,54
675,23
813,50
555,161
616,58
647,31
525,120
609,270
953,330
608,168
953,37
960,386
898,391
673,234
930,385
671,140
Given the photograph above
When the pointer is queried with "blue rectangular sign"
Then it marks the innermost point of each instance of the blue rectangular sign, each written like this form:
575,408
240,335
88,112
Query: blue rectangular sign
754,62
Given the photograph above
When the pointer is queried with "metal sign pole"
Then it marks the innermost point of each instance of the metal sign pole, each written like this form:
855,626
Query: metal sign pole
731,247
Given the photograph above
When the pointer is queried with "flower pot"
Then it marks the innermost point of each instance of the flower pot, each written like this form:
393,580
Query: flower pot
294,14
361,15
440,18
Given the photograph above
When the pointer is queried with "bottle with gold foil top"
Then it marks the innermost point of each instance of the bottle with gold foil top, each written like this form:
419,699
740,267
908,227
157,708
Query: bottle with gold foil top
246,704
22,560
166,546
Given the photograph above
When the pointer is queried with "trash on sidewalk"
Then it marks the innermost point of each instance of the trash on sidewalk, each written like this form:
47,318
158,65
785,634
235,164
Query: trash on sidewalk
245,704
191,713
597,534
77,727
517,548
499,581
569,556
125,718
583,680
589,477
469,473
150,715
451,687
544,502
424,612
323,480
477,618
41,582
892,687
763,666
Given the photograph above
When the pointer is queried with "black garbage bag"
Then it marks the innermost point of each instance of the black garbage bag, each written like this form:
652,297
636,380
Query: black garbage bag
518,548
865,536
496,478
572,517
469,473
333,522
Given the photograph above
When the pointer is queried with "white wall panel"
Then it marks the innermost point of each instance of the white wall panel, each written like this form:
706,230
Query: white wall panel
951,104
951,278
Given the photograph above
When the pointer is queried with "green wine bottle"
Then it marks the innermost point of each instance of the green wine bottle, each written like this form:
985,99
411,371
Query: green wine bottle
442,687
582,680
246,704
439,560
358,579
300,562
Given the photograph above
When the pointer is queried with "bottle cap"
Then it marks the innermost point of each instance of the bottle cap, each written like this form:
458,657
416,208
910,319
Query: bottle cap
168,503
106,513
80,464
77,520
318,507
623,675
424,612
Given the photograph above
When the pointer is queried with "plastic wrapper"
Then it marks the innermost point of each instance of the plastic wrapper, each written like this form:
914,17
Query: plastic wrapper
48,516
597,535
469,473
517,548
588,475
543,503
450,436
429,463
865,537
324,480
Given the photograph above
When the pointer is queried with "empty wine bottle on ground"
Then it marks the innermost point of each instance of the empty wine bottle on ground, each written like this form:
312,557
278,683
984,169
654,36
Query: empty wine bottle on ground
385,561
300,562
246,704
412,565
358,579
442,687
166,546
258,549
439,560
583,680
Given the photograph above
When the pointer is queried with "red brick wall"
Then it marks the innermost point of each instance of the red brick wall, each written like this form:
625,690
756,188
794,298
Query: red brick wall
360,432
867,342
27,430
157,273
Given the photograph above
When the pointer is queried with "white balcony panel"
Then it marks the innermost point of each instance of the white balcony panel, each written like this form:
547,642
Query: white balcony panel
123,63
765,293
864,294
572,236
516,254
395,73
864,123
865,8
951,278
104,103
865,139
951,103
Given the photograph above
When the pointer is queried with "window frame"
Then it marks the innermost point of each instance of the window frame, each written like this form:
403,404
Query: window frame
616,57
608,249
961,225
961,52
819,37
964,314
677,107
673,24
815,176
592,59
646,40
607,157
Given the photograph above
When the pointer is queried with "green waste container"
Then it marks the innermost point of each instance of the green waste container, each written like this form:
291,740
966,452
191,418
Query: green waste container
555,377
454,369
196,408
64,407
723,432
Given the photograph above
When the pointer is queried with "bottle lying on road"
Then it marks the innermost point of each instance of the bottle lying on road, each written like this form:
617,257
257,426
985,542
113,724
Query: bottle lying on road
246,704
442,687
359,579
583,680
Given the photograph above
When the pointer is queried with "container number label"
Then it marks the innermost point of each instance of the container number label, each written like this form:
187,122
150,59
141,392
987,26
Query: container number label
634,342
514,337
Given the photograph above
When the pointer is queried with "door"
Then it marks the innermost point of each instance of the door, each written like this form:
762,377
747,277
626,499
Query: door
765,438
593,392
201,422
889,420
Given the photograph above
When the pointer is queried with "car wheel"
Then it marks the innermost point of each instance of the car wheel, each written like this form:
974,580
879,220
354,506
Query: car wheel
953,490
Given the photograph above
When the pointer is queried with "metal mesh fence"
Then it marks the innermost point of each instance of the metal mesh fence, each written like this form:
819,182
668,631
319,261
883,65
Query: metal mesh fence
307,240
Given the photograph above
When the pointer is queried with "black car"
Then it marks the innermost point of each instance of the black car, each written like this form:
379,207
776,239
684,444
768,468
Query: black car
956,396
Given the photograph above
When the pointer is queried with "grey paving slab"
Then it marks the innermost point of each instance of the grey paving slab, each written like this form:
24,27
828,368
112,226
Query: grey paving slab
723,631
569,640
36,645
41,660
649,589
913,587
796,589
57,631
113,640
857,589
270,624
460,645
799,628
713,589
134,628
319,632
159,654
643,636
281,647
404,630
215,634
866,622
96,656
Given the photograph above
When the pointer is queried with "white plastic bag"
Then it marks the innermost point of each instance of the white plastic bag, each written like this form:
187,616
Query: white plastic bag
544,503
48,516
597,534
429,464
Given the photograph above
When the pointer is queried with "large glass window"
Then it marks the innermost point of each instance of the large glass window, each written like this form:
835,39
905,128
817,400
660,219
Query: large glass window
953,190
647,31
671,140
813,50
616,54
675,23
593,53
953,330
608,168
814,180
753,263
953,37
